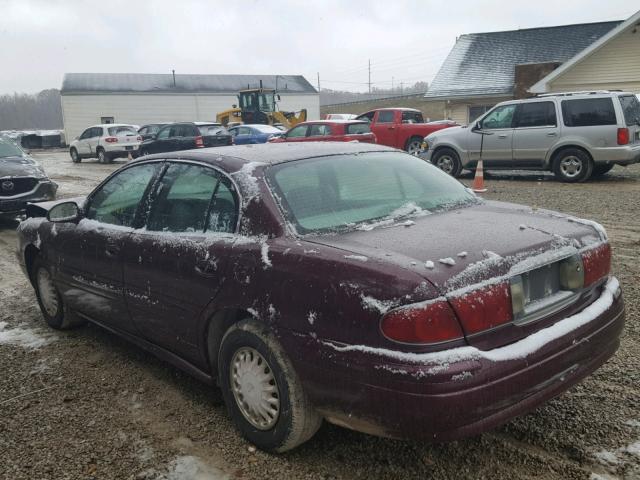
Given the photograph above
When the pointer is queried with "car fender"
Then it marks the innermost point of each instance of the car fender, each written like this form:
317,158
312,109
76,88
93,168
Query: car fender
564,142
462,153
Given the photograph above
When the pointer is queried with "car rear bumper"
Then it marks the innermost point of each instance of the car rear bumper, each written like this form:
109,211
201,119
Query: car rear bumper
379,394
44,191
122,150
624,155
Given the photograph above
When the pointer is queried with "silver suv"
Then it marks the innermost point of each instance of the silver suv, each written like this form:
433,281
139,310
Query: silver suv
574,134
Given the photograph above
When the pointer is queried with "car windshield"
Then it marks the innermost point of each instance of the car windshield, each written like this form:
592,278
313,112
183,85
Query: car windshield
122,131
212,130
267,129
362,191
8,149
631,108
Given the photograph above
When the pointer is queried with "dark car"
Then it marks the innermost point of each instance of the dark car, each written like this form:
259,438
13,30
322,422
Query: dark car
186,136
250,134
328,131
348,282
148,131
22,180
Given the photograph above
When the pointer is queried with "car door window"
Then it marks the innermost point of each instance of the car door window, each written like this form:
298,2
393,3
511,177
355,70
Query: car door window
386,116
500,117
296,132
97,132
183,199
536,114
319,130
164,133
244,131
366,117
86,134
176,131
117,200
223,214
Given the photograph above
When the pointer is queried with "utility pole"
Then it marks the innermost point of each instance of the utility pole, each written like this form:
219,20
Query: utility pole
391,84
318,82
401,87
369,75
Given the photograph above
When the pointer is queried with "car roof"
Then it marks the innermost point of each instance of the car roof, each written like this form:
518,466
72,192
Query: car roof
109,125
205,123
233,158
337,120
567,96
402,109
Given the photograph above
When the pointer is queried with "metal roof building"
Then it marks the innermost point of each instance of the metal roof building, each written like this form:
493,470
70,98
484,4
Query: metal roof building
139,98
485,68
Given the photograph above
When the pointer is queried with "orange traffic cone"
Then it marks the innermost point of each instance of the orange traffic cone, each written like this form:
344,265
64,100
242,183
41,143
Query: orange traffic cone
478,180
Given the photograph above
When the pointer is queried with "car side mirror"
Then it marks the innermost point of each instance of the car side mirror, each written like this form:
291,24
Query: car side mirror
476,127
64,212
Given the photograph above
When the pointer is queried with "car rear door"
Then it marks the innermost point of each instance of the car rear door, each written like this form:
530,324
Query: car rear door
536,130
94,140
174,267
320,132
90,253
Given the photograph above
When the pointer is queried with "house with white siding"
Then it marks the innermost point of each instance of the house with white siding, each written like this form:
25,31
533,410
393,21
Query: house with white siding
135,98
483,69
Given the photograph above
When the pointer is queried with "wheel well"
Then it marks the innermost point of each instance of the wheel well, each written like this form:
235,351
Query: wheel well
444,147
218,325
410,139
561,149
30,255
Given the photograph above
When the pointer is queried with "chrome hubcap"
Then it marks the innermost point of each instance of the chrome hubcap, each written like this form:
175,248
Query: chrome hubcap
101,156
571,166
445,163
48,294
414,148
254,388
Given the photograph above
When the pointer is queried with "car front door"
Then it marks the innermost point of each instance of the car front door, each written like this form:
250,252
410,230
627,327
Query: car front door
174,267
89,260
536,131
494,138
244,135
83,143
384,127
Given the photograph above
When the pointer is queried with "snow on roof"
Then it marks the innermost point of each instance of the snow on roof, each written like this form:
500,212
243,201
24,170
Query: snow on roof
163,82
484,63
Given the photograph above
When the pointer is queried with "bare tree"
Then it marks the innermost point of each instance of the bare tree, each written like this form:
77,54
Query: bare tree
22,111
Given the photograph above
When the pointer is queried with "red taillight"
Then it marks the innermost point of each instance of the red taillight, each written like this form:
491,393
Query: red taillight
431,322
111,140
623,136
484,308
199,142
596,263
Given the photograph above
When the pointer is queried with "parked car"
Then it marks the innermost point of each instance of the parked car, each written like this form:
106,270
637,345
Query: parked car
402,128
106,142
244,134
328,131
147,131
340,116
186,136
22,180
350,282
575,135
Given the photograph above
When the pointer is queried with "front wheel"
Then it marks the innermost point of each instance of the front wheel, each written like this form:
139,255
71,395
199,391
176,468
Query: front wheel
51,304
103,157
448,161
414,146
262,391
75,157
572,165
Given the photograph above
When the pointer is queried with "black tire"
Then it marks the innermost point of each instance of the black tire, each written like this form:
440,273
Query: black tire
294,420
51,304
447,160
414,145
572,165
102,156
144,153
601,169
75,156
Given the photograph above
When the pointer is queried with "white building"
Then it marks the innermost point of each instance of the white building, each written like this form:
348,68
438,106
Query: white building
139,98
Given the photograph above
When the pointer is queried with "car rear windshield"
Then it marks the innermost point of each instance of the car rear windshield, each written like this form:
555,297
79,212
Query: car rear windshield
588,111
360,191
212,130
122,131
357,128
631,108
8,149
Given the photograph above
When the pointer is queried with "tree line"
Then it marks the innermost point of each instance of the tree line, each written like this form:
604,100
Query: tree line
331,97
23,111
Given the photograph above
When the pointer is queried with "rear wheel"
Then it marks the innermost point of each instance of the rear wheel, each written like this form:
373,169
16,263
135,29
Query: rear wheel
572,165
448,161
75,157
51,304
414,145
102,156
601,169
262,391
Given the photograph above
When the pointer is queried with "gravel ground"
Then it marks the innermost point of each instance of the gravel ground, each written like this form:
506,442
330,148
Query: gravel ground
86,404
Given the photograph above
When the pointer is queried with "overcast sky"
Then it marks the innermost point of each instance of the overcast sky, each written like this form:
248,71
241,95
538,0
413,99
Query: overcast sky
406,40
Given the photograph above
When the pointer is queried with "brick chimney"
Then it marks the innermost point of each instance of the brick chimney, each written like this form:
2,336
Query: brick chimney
526,74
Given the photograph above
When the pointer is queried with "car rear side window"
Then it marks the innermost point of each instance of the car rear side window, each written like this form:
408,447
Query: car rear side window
536,114
212,130
631,108
357,128
588,112
386,116
117,200
412,117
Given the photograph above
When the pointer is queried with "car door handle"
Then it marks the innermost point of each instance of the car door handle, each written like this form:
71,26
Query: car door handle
502,135
552,134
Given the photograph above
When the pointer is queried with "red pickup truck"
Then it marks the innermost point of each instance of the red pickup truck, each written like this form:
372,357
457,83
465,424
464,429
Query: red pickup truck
402,127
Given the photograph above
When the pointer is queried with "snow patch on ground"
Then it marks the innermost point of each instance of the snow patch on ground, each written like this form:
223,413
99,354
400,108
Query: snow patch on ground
189,467
448,261
429,264
22,337
463,254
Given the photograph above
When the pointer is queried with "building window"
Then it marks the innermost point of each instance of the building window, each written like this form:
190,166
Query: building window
477,110
105,120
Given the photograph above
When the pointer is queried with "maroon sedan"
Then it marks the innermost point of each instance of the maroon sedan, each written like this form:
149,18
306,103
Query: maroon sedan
347,282
329,131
